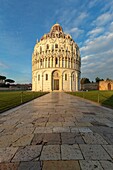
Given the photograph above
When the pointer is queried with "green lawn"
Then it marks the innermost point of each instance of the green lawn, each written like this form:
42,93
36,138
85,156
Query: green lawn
12,99
103,97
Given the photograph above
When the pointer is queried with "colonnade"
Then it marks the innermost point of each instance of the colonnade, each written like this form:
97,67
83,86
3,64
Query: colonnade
51,62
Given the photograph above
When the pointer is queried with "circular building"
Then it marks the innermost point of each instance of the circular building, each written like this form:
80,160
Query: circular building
56,62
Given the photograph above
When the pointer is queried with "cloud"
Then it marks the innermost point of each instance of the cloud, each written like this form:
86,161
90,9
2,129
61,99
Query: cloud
95,31
103,19
84,59
92,3
98,65
98,45
75,32
111,27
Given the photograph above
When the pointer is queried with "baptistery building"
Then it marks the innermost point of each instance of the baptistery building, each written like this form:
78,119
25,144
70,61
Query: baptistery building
56,62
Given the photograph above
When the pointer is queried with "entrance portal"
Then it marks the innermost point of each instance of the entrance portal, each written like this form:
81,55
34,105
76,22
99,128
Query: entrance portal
56,84
56,80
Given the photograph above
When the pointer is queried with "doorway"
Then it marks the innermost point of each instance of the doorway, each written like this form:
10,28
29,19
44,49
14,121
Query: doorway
55,80
109,86
56,84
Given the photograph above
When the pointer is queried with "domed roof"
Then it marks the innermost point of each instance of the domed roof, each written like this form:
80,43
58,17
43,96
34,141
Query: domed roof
56,27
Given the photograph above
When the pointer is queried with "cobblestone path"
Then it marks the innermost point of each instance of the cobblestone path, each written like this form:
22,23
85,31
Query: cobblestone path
57,132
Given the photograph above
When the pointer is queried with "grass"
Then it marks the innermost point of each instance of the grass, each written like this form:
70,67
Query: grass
103,97
11,99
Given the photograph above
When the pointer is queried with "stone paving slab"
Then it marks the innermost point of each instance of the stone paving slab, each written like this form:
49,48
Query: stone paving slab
107,165
94,152
9,166
43,130
6,154
7,140
90,165
27,153
50,152
38,139
57,131
71,138
93,138
61,165
33,165
52,139
105,132
61,129
70,152
109,149
84,130
24,140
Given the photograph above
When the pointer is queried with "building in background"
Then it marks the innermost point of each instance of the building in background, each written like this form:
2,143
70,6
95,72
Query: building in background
56,62
106,85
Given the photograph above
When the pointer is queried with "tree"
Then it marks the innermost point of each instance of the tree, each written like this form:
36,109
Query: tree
108,79
2,80
2,77
97,79
85,80
9,81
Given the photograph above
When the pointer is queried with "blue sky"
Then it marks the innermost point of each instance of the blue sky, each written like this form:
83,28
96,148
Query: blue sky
90,23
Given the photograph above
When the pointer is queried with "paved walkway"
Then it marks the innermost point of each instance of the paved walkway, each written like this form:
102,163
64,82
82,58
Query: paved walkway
57,132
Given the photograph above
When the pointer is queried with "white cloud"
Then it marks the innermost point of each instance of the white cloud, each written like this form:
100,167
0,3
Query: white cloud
75,32
85,58
103,19
82,16
95,31
98,65
98,45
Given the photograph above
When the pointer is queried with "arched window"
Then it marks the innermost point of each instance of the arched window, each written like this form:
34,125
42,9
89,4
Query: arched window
47,46
40,49
63,62
56,61
49,62
41,62
65,77
38,77
56,45
69,63
73,77
46,76
46,62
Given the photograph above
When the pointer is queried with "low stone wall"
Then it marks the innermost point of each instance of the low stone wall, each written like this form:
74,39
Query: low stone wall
89,86
4,89
7,89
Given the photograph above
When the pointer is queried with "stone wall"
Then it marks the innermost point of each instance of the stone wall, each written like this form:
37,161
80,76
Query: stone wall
90,86
67,80
106,85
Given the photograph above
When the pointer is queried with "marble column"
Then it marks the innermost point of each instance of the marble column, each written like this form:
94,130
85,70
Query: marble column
64,62
70,82
61,62
53,61
76,82
47,63
50,62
